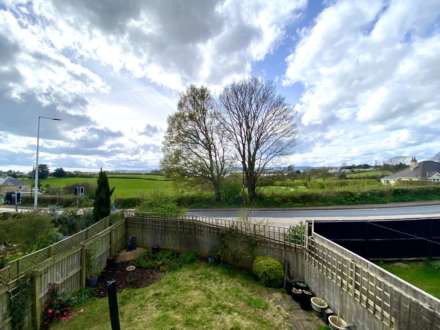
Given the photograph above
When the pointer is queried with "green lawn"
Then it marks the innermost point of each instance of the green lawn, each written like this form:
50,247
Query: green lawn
127,185
197,296
419,273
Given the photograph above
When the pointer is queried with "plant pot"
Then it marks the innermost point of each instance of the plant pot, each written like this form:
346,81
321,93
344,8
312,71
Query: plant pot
155,249
288,287
92,281
319,305
305,300
296,294
132,243
337,323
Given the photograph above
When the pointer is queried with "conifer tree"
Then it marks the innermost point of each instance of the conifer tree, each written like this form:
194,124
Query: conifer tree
102,203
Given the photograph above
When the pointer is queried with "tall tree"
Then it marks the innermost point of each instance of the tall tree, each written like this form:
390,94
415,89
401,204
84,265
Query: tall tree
59,173
260,125
194,145
102,202
43,171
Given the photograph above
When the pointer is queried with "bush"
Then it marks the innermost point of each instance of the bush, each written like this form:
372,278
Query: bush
296,233
28,231
53,200
165,260
268,271
72,221
161,205
128,202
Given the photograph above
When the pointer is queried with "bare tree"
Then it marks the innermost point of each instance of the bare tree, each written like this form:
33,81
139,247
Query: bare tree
260,125
194,144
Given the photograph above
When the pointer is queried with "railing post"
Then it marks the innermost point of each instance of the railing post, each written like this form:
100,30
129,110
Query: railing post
36,304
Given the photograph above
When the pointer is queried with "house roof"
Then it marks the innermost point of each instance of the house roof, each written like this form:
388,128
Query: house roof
10,181
423,170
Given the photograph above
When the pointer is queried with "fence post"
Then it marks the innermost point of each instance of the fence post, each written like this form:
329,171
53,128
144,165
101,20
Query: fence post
36,304
83,265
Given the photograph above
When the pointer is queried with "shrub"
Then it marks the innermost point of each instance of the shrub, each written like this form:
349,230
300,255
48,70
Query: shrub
72,221
161,205
268,271
295,234
128,202
165,260
57,307
52,200
29,231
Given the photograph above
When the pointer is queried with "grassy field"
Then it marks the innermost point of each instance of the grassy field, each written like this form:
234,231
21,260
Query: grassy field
126,185
425,275
198,296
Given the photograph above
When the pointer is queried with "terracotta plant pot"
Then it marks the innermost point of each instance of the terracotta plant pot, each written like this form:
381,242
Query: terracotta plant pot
337,323
319,305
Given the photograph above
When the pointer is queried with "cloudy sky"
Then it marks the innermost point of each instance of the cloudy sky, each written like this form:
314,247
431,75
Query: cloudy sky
364,76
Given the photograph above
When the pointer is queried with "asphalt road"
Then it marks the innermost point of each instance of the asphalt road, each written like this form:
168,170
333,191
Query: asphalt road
286,216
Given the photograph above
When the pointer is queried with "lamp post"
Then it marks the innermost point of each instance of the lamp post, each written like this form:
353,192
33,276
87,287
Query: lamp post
36,159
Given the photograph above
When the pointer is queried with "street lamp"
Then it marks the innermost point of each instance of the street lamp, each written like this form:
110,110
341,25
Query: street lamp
36,161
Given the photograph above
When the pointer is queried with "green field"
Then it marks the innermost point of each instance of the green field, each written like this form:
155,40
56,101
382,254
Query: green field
425,275
198,296
126,185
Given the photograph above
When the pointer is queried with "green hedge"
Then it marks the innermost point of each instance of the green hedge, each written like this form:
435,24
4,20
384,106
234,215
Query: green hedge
294,198
64,201
268,271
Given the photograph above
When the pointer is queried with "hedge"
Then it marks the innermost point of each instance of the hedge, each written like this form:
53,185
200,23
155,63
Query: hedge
64,201
268,271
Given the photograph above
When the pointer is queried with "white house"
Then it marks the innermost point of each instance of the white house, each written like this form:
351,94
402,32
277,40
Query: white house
424,171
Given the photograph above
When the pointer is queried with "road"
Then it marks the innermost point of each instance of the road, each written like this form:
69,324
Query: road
292,216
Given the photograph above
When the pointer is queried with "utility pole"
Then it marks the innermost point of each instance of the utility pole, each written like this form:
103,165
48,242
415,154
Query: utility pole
36,159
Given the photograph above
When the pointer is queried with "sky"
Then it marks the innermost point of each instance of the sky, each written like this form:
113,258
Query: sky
362,76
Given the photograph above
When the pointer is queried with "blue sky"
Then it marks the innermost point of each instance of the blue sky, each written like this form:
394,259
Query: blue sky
362,76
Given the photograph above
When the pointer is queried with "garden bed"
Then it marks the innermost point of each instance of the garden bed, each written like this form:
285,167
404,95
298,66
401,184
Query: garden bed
138,278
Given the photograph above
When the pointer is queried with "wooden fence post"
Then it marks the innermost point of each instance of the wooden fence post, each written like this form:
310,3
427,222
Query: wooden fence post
36,306
83,265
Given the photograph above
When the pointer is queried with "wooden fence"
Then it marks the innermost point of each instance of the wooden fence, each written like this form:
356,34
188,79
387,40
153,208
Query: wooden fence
364,293
63,264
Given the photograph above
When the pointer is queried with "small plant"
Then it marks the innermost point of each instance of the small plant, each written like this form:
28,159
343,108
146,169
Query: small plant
295,234
93,269
56,307
268,271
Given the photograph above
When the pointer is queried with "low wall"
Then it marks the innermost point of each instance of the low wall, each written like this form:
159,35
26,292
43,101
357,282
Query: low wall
365,294
209,239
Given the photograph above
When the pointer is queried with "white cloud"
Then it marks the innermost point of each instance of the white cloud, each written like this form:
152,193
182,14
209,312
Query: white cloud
373,68
109,67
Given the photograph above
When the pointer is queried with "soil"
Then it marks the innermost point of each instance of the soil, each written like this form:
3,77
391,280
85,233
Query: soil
137,278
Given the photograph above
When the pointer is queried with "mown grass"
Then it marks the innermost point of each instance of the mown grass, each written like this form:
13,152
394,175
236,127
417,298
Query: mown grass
423,274
197,296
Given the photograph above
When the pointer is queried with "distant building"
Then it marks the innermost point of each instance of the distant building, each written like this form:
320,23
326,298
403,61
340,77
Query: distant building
10,184
424,171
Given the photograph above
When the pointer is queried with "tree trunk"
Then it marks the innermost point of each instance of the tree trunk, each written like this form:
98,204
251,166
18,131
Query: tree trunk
252,189
217,192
